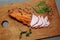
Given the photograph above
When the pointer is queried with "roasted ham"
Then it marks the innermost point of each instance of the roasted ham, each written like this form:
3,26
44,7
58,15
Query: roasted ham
29,19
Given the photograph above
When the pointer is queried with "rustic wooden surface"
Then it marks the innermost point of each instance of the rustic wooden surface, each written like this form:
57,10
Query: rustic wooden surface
11,32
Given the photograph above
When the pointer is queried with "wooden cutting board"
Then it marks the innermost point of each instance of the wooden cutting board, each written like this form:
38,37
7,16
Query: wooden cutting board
11,32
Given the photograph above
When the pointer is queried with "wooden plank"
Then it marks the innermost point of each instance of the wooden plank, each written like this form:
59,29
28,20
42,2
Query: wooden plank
12,31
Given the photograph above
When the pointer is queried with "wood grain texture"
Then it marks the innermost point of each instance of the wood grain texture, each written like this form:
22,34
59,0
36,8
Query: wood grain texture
12,31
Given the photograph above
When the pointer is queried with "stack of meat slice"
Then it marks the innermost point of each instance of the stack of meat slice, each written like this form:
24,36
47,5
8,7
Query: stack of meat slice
39,21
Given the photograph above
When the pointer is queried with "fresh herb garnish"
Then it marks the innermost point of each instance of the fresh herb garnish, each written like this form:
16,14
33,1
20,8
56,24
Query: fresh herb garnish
42,8
46,8
30,31
42,11
25,32
36,10
20,35
41,3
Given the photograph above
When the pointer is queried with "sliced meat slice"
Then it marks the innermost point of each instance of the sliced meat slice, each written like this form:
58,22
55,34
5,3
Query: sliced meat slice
34,20
46,21
43,22
46,18
39,22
